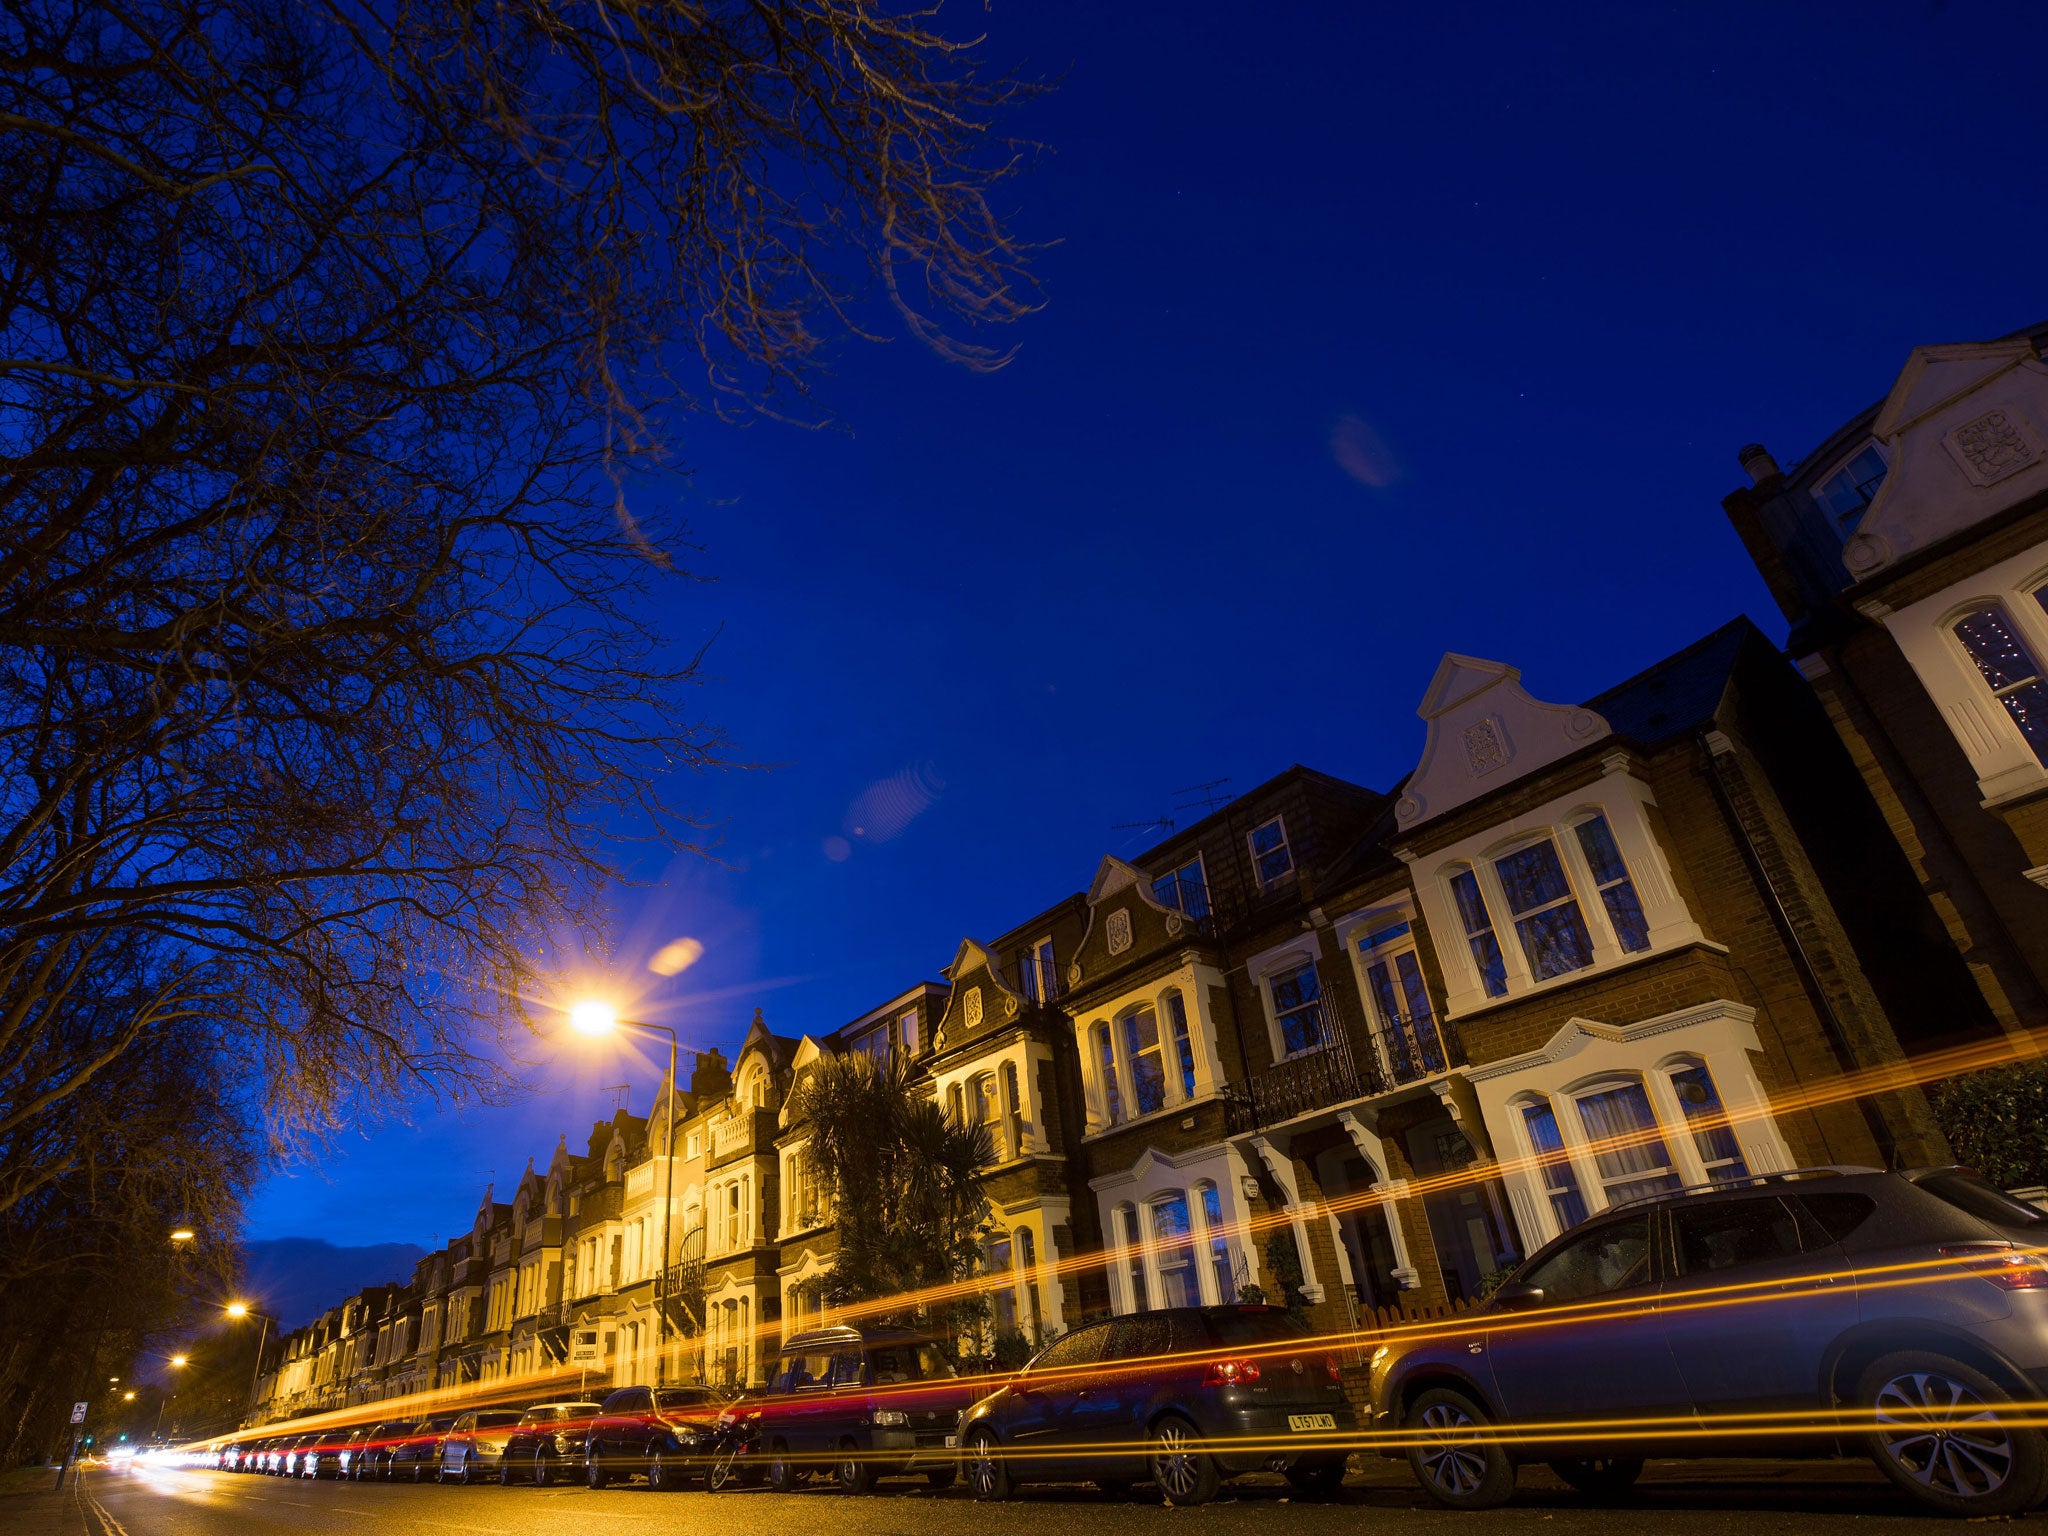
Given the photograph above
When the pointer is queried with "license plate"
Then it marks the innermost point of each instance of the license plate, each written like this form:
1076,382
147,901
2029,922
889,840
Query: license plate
1299,1422
952,1442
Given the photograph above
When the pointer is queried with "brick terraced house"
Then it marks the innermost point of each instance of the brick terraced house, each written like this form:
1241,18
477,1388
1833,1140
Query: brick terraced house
1359,1048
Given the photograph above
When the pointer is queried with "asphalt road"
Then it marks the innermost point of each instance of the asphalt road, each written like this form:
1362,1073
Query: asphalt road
1684,1498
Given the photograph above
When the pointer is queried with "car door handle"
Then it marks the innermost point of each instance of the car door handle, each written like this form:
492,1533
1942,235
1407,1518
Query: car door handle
1081,1392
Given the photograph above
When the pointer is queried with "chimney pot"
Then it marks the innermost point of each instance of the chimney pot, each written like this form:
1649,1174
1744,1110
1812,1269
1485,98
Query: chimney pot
1756,459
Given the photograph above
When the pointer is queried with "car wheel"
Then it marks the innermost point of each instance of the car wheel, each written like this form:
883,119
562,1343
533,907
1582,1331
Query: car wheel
1600,1477
418,1472
781,1470
1319,1479
1941,1436
543,1470
1453,1458
662,1475
854,1473
594,1472
505,1478
467,1476
1184,1472
988,1474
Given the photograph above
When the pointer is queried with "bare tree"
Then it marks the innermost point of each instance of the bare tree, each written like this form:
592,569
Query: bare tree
330,641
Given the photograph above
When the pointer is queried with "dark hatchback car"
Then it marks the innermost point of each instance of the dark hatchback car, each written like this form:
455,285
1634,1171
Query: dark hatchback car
371,1456
860,1404
416,1453
660,1433
1185,1398
322,1456
1834,1311
546,1445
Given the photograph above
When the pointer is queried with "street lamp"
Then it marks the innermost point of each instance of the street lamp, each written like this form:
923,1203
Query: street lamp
183,1235
595,1017
164,1402
239,1310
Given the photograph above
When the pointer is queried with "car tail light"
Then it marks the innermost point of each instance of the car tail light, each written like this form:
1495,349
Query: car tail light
2007,1267
1230,1373
1333,1370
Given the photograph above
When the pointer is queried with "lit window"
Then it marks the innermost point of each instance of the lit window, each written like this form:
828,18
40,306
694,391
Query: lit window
1141,1050
1134,1254
1493,969
1545,912
1627,1143
1183,1043
1174,1253
1298,1007
987,1109
1184,889
1270,855
1105,1057
1708,1121
1003,1294
1849,491
1554,1167
908,1024
1610,879
2009,670
1219,1245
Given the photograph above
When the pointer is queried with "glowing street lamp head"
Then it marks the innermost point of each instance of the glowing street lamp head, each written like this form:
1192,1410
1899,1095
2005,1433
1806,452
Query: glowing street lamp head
183,1235
238,1309
593,1017
127,1397
178,1360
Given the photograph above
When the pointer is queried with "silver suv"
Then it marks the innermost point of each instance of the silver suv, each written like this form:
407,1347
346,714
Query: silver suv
1903,1316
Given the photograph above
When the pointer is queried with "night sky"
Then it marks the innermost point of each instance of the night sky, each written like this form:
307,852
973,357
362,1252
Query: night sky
1372,331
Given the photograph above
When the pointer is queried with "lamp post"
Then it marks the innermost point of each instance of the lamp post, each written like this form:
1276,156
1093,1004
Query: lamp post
598,1018
239,1310
164,1402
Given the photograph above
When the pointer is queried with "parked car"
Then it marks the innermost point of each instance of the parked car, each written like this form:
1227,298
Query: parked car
1918,1298
1184,1397
474,1447
370,1457
323,1456
546,1445
295,1453
351,1450
416,1453
863,1403
660,1433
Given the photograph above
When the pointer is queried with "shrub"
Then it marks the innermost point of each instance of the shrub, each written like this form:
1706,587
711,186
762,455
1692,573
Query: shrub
1997,1122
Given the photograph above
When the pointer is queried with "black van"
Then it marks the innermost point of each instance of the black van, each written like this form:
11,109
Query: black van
858,1404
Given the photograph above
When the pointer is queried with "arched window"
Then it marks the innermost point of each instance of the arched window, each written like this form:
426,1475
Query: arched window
1705,1117
1105,1066
1554,1170
1013,1120
1147,1066
1183,1043
2009,669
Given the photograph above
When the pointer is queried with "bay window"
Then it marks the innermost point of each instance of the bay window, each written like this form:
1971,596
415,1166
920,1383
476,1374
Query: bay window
1141,1050
1134,1254
1173,1240
1712,1136
1610,879
1105,1065
1222,1265
1559,1180
1478,924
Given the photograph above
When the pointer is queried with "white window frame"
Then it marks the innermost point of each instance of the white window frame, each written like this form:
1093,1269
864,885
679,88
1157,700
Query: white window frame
1352,932
1201,876
1840,466
1296,950
1293,868
1041,976
1626,802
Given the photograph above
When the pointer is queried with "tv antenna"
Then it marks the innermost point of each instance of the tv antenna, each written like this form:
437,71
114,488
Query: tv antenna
1202,797
1157,823
619,1093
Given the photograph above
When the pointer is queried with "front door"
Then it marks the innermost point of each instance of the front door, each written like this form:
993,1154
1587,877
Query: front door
1755,1298
1593,1349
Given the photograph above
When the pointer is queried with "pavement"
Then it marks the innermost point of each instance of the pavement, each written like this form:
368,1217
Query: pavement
1752,1498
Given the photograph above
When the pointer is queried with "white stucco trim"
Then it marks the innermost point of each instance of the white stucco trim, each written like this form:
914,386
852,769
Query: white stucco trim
1157,1173
1721,1034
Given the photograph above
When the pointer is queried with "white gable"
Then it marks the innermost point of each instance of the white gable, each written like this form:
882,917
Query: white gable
1485,731
1965,431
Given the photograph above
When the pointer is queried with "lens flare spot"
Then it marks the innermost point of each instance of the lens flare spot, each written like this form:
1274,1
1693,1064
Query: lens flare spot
1362,454
676,957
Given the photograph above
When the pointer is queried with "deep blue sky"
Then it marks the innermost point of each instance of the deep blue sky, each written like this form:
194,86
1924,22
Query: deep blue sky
1538,271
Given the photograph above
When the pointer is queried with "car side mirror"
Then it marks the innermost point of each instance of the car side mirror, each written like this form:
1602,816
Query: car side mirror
1516,1296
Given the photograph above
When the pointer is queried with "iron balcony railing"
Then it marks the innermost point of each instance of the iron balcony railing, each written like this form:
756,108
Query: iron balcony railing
1039,979
1405,1050
1417,1046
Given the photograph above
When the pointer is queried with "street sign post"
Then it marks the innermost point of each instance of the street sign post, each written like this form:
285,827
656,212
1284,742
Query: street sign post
78,1413
586,1349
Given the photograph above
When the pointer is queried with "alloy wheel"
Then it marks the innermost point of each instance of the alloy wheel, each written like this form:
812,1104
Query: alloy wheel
1450,1453
1174,1466
981,1469
1942,1435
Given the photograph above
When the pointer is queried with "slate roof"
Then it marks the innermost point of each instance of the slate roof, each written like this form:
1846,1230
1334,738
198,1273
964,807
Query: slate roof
1681,693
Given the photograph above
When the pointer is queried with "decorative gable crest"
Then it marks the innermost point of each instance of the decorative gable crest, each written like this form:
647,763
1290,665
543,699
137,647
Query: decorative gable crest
980,995
1963,437
1485,730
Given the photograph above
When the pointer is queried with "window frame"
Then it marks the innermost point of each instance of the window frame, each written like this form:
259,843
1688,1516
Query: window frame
2023,632
1286,846
1356,935
1847,523
1278,1017
1174,876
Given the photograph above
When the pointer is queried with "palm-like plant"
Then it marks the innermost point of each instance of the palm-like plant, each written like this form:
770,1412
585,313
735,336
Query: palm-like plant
904,1179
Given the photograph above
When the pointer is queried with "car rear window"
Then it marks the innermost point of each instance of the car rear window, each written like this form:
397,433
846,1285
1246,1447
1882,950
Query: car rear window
1248,1330
1981,1198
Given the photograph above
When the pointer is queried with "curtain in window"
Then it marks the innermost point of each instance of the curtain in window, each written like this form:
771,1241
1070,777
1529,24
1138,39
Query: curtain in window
1628,1145
1554,1166
1708,1121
